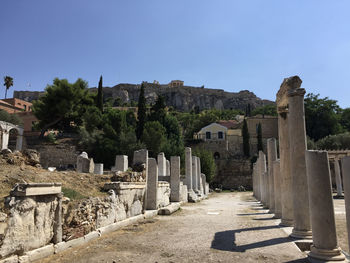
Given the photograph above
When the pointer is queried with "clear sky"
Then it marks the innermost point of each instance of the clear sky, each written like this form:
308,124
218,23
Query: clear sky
230,45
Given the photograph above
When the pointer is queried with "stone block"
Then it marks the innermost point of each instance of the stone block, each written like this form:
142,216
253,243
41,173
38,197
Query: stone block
13,259
82,162
163,194
161,164
92,235
98,169
40,252
33,189
121,163
23,259
92,166
150,213
59,247
167,168
140,157
183,193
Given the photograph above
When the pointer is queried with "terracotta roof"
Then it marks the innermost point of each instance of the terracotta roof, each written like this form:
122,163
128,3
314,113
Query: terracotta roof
230,124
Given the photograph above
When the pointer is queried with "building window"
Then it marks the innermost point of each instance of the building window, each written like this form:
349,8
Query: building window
25,107
220,135
208,135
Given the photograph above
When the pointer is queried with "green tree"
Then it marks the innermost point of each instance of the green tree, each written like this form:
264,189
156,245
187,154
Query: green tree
141,113
208,166
99,100
345,119
269,110
8,82
259,137
62,105
154,137
158,110
334,142
321,117
11,118
246,137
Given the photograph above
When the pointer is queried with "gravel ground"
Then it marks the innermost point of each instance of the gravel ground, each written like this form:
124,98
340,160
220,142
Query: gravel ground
227,227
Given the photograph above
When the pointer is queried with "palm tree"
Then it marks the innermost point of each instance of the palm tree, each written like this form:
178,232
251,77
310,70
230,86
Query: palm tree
8,82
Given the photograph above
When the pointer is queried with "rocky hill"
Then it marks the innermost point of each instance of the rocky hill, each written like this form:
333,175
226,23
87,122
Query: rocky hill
181,98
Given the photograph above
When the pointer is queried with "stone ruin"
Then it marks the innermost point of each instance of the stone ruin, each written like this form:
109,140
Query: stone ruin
297,186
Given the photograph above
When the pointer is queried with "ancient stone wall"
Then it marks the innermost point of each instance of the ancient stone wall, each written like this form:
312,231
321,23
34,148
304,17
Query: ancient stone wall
61,156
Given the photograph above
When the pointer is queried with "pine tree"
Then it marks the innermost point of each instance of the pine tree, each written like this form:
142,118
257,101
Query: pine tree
141,113
99,101
259,137
246,137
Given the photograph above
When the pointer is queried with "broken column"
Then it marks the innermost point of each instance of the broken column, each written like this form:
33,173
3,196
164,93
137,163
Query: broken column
188,164
175,179
271,157
338,178
325,246
263,177
152,184
277,186
98,169
345,163
199,178
167,168
161,164
286,180
194,174
140,157
84,164
121,163
203,183
297,141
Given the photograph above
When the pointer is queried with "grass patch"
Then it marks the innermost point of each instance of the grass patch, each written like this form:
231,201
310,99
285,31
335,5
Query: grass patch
72,194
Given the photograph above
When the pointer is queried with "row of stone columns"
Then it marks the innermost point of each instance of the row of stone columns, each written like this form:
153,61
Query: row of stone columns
299,185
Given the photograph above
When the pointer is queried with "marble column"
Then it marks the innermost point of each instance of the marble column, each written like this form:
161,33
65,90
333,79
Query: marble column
199,172
286,182
161,164
19,141
194,174
254,181
325,246
5,139
188,166
263,178
271,157
277,186
297,140
57,227
175,179
345,164
338,178
152,185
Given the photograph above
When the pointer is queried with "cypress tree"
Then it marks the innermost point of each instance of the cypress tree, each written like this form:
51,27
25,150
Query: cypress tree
141,113
99,101
259,137
246,137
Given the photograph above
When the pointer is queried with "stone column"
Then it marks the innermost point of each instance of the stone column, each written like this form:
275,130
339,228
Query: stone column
254,182
345,164
5,139
199,172
57,228
19,141
286,182
98,169
257,180
188,164
277,190
194,174
167,168
175,179
203,183
271,157
263,177
161,164
152,185
297,140
121,163
338,178
325,246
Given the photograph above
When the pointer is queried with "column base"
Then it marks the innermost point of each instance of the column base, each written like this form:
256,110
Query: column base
277,215
317,255
301,234
271,211
286,222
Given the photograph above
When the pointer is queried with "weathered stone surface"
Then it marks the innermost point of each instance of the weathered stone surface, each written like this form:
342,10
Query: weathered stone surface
175,179
168,210
140,157
188,163
98,169
167,168
40,252
163,194
152,185
183,193
194,174
121,163
12,259
32,157
161,164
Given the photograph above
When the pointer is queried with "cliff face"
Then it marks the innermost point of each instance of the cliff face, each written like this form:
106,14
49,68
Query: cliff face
181,98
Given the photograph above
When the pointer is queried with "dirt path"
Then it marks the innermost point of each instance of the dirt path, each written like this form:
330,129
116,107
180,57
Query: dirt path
227,227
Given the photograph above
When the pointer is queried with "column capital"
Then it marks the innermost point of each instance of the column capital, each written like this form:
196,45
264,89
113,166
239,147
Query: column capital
296,92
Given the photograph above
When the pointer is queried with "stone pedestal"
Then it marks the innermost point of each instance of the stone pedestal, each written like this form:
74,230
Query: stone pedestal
175,179
121,163
152,184
325,246
297,140
345,163
98,168
194,174
338,178
286,182
271,157
161,164
277,186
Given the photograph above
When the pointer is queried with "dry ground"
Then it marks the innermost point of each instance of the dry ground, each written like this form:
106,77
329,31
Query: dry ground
227,227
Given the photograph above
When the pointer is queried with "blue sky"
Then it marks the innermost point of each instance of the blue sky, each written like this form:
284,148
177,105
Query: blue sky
230,45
